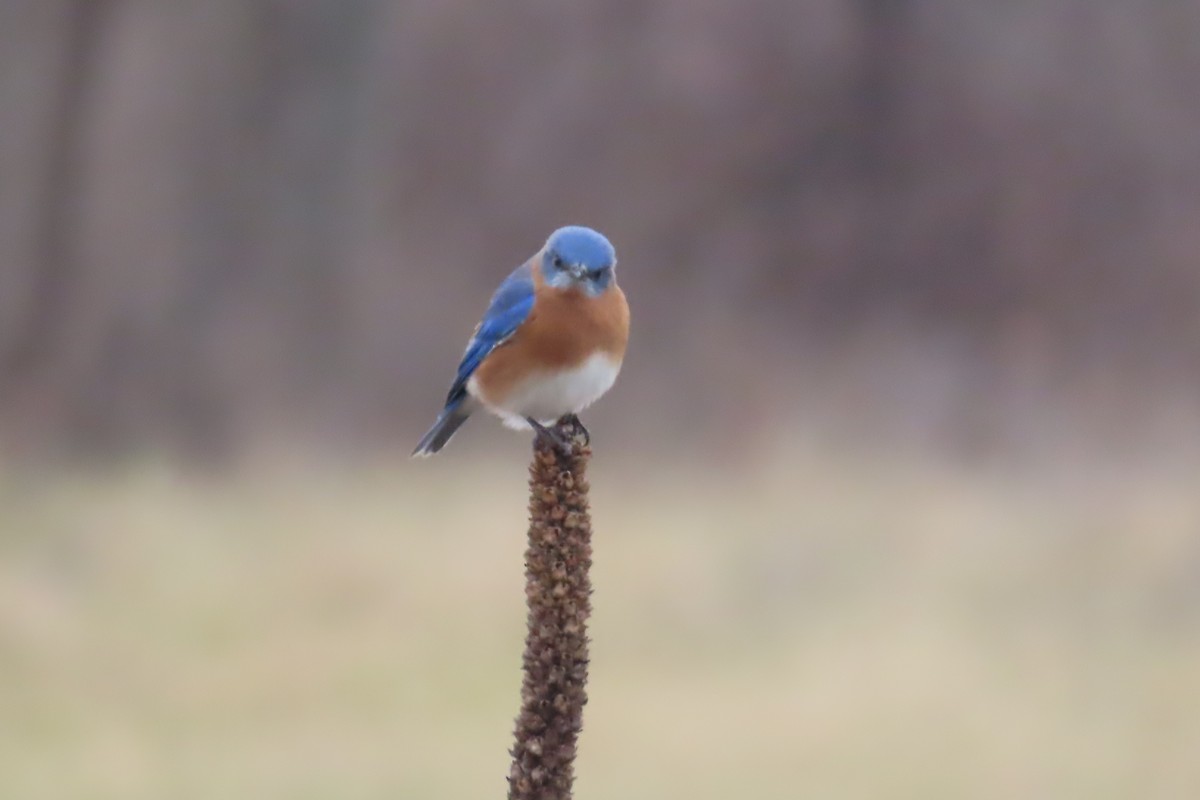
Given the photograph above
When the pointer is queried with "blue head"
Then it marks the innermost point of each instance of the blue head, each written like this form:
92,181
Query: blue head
578,257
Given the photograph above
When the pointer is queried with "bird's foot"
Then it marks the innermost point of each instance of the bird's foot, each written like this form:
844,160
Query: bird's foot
572,421
551,435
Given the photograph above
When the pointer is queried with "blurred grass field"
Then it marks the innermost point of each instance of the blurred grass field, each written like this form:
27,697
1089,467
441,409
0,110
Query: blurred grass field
818,626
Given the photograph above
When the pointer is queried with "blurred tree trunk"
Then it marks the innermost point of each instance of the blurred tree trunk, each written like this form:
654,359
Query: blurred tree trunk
55,264
290,113
880,161
269,158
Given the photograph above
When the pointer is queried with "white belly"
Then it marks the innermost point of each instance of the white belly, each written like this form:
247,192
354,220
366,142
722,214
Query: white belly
550,396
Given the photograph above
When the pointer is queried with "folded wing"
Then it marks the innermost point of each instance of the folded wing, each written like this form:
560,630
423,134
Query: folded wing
509,307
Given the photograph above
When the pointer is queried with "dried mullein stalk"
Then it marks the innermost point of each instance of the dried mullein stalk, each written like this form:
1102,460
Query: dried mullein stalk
557,590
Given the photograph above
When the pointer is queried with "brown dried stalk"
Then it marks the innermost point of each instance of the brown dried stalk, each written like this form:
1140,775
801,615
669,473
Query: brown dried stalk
557,591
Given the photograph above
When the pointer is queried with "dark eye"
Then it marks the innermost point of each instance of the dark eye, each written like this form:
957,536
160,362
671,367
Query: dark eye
558,262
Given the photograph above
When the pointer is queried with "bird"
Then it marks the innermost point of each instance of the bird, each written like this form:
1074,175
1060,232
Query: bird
550,343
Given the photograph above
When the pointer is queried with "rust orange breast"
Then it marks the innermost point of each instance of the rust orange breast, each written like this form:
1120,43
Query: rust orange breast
562,331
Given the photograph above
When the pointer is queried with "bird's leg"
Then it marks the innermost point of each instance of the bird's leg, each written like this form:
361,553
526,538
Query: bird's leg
552,436
571,419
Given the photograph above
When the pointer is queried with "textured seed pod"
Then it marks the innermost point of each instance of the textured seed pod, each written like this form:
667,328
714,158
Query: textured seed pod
558,593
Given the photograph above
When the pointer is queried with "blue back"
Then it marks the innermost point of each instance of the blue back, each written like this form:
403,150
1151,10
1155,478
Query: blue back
510,306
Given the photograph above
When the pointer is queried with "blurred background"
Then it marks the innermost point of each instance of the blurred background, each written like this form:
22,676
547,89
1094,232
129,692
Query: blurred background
896,496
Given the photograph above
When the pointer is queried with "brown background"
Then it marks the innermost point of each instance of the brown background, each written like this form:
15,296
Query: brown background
971,223
896,496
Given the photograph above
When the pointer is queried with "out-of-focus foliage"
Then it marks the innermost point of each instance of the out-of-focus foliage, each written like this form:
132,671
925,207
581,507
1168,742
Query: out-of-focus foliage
222,218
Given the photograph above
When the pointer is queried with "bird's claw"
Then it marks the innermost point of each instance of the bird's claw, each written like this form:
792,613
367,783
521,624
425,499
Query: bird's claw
574,421
552,436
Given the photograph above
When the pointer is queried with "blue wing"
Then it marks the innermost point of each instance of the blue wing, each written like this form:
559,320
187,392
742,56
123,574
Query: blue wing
510,306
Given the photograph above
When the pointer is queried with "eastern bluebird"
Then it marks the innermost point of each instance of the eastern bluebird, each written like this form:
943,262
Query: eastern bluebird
550,343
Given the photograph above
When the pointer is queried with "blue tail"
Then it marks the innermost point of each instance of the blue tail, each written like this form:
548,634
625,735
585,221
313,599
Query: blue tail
449,421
